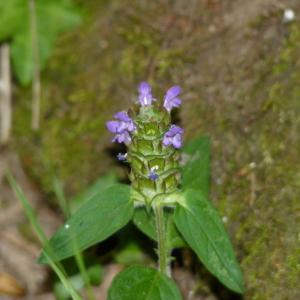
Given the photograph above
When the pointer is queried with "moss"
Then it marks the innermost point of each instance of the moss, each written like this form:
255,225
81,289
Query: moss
255,169
268,224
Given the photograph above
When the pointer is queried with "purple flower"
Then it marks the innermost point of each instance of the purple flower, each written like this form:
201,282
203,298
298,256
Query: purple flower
124,123
122,127
152,174
122,137
170,99
173,137
145,95
122,156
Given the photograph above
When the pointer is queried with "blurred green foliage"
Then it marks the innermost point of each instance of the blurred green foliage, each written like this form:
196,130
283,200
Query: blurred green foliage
53,17
94,272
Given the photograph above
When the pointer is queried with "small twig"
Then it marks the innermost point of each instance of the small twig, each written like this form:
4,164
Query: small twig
253,188
5,94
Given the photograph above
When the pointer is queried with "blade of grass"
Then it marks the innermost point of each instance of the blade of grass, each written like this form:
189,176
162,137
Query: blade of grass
30,214
59,191
60,195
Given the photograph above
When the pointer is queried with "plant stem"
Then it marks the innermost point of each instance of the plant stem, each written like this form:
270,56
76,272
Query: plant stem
36,83
59,191
163,252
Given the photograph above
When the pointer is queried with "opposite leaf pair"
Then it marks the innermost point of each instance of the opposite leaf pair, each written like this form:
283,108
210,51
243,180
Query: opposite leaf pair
195,222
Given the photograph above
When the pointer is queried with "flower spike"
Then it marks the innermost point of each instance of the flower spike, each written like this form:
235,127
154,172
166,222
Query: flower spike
152,143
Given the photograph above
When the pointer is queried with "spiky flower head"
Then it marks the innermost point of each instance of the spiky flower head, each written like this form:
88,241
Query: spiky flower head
152,142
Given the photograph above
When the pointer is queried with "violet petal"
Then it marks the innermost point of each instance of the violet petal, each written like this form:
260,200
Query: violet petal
145,95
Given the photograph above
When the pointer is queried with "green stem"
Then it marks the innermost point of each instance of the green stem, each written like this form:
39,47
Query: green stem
59,191
36,76
163,252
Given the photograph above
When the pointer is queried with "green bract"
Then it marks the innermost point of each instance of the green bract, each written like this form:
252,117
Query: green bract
147,152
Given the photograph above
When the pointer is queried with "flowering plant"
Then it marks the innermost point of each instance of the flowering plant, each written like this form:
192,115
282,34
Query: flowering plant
167,200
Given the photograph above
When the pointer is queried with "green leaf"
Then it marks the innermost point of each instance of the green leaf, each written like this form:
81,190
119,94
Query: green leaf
145,222
131,253
53,17
98,218
97,187
140,283
11,17
22,57
196,171
203,229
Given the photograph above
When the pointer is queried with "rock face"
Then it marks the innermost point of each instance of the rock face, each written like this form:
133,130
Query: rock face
238,64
